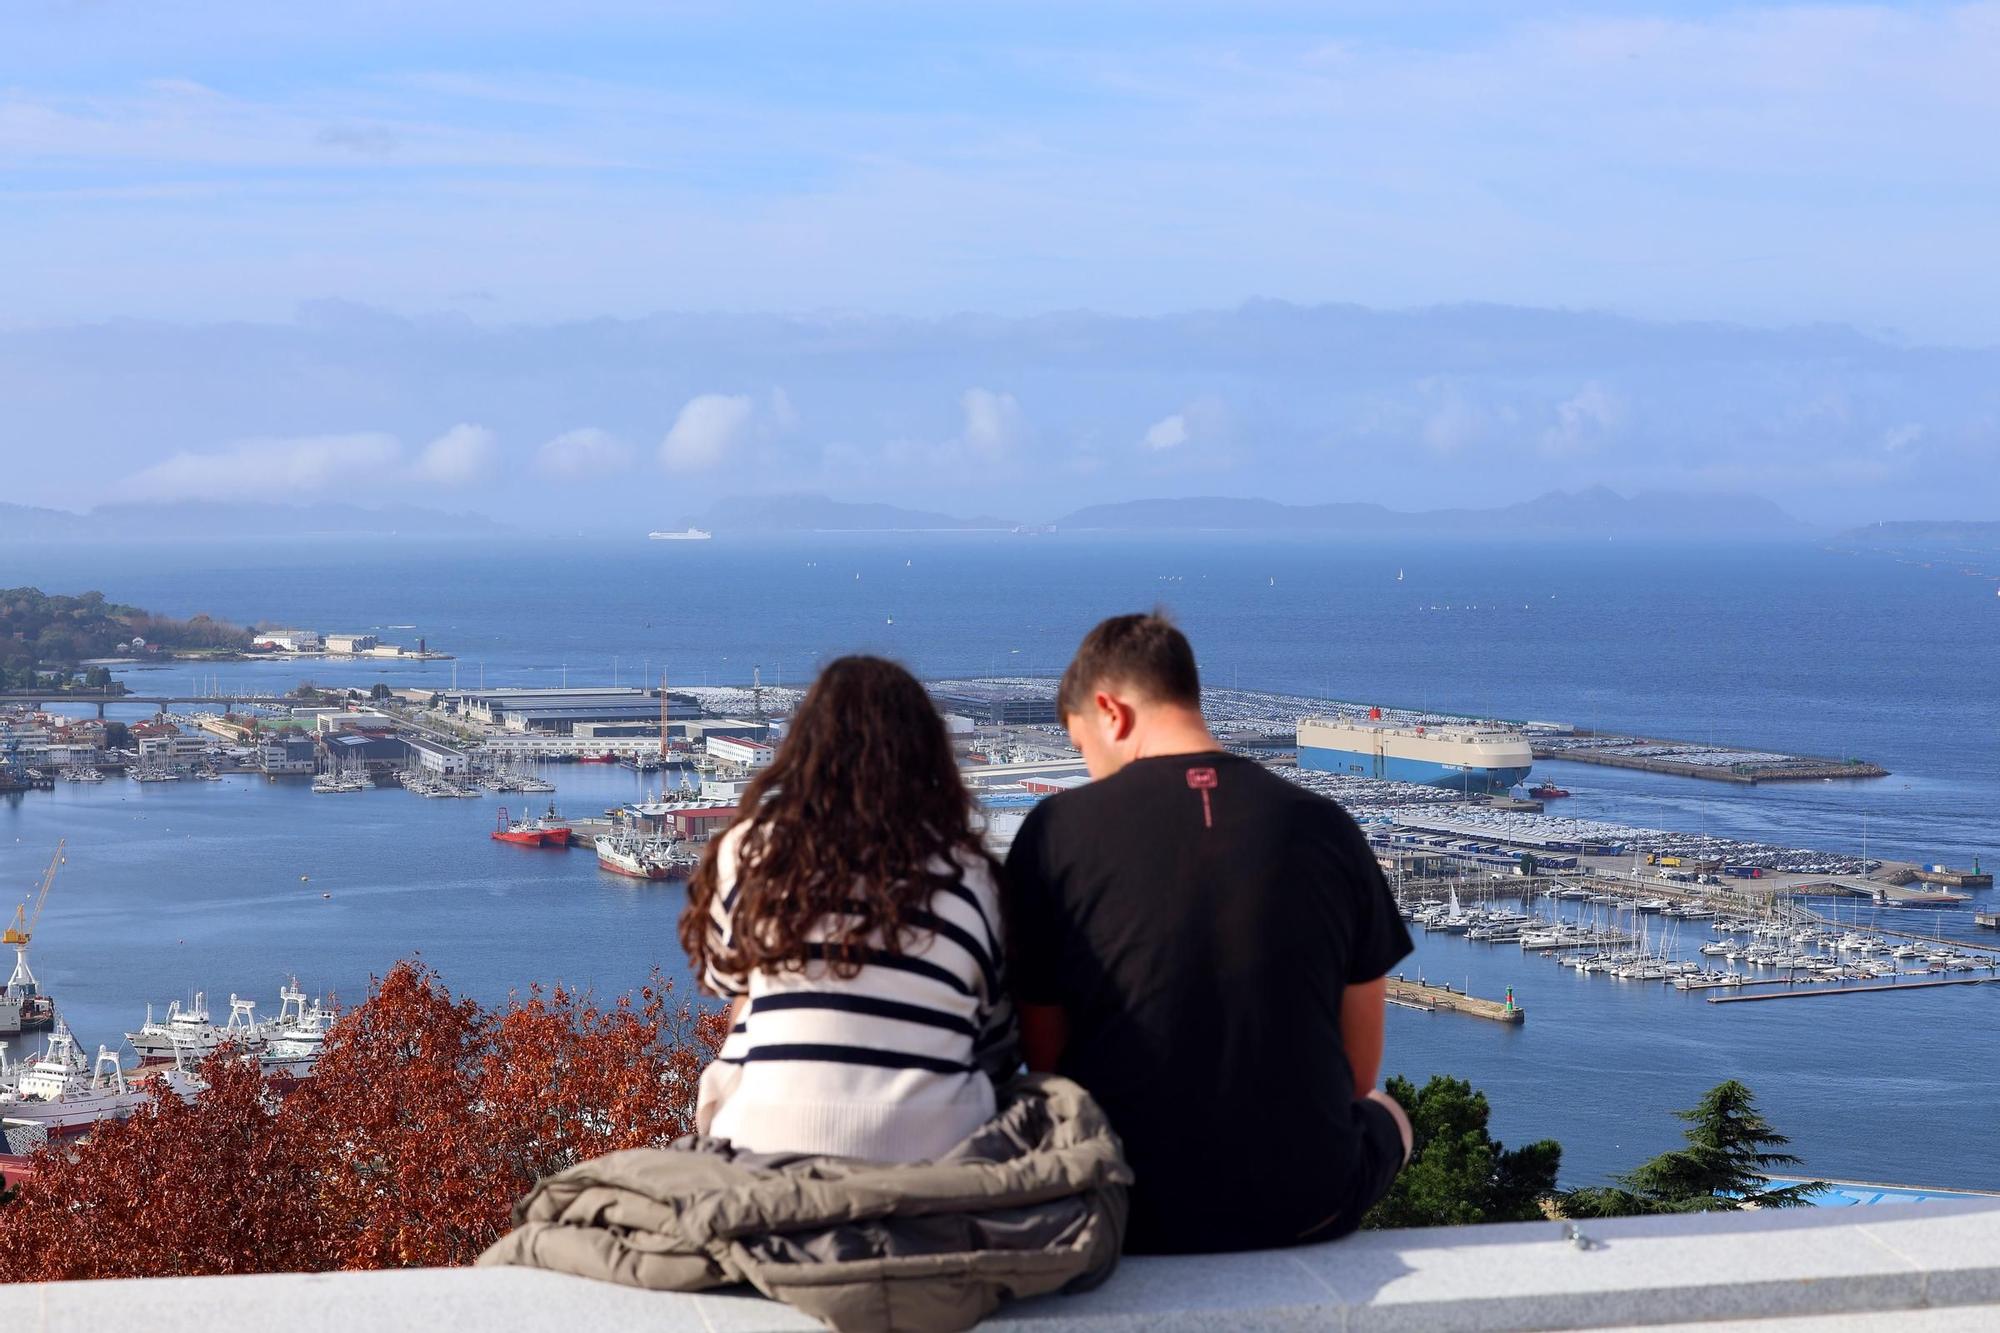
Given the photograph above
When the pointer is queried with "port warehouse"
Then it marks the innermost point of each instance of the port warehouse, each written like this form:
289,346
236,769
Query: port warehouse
558,711
1000,704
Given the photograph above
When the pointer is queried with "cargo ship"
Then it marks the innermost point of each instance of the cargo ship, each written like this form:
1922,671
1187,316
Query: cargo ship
684,535
1462,756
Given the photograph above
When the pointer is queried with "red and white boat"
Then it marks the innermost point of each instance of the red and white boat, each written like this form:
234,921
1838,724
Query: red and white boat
549,830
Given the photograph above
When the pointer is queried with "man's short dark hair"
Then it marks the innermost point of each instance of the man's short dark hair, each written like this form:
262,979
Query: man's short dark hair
1141,653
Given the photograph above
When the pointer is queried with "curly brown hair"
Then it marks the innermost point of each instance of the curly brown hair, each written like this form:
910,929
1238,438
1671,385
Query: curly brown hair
848,823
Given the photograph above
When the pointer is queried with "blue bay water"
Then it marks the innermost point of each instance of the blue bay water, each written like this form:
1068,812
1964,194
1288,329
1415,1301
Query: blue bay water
173,886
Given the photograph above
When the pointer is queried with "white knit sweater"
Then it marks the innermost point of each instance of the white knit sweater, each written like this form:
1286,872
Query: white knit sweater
891,1064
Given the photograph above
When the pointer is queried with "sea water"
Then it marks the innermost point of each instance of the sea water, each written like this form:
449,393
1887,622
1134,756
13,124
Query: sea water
232,886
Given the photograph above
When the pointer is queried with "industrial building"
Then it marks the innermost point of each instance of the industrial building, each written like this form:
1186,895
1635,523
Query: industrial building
330,721
699,823
435,757
557,711
351,643
739,753
287,640
287,752
349,750
1000,704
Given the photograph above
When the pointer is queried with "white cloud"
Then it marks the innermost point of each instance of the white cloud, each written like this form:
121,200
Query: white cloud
584,452
783,415
1452,425
265,469
709,428
461,456
1168,432
1583,422
1902,439
994,424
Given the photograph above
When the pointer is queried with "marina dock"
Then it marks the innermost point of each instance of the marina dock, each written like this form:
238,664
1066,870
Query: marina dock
1434,997
1803,991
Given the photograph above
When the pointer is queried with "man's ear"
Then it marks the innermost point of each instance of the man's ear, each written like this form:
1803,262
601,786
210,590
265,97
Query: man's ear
1118,716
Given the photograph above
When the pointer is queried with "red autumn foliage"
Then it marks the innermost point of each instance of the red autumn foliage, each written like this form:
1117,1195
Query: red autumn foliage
426,1118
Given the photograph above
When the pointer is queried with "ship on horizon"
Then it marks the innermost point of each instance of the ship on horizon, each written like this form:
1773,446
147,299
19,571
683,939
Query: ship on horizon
684,535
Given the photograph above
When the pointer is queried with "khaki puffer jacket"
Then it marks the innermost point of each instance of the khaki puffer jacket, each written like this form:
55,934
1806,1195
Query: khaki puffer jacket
1033,1202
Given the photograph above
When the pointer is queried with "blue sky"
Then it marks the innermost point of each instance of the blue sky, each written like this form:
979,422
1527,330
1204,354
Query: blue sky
513,166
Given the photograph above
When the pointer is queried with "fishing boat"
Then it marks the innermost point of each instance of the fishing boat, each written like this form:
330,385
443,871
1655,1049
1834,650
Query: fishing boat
644,856
62,1091
190,1030
295,1038
549,830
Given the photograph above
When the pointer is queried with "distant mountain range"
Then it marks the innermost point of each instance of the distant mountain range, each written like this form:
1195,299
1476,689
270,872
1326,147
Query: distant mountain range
817,513
1596,512
215,518
1927,530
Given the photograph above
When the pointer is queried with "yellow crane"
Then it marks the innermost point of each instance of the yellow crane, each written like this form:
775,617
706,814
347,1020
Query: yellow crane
24,925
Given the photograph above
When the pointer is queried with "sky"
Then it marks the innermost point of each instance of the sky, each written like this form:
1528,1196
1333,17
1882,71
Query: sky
1788,211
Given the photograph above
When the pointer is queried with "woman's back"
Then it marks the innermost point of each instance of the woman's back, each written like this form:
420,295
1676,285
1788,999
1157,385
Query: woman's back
892,1063
852,914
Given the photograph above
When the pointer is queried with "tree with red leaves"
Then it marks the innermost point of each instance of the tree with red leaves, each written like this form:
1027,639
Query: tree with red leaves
427,1116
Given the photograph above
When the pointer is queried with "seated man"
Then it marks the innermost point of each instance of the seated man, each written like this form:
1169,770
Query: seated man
1203,946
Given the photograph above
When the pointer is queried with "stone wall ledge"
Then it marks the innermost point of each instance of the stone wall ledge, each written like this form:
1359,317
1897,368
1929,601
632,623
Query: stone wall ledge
1929,1268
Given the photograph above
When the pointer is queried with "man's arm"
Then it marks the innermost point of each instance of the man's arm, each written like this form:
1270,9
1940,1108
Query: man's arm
1033,949
1364,1009
1044,1034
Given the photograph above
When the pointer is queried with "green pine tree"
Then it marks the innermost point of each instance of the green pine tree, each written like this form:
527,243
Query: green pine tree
1458,1174
1725,1165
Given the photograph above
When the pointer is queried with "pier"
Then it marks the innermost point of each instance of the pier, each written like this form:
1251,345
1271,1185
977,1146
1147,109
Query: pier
1434,997
1693,759
1804,991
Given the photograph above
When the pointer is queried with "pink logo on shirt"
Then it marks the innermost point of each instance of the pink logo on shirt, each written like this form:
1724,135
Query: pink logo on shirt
1203,780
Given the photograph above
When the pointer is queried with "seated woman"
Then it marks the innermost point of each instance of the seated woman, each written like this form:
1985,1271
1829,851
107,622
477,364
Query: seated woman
852,913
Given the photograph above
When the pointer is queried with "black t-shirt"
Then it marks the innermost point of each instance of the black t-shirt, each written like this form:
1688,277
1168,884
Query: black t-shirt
1198,917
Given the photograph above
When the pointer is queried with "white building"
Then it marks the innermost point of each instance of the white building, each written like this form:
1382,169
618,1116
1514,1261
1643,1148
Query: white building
725,791
288,640
433,757
740,753
356,719
172,749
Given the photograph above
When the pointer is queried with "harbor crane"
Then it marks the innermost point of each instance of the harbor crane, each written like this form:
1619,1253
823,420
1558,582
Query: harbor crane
22,984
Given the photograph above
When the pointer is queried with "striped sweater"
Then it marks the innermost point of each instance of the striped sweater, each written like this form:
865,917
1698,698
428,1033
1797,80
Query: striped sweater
894,1064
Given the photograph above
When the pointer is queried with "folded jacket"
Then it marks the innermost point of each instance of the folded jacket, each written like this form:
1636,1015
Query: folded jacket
1032,1202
